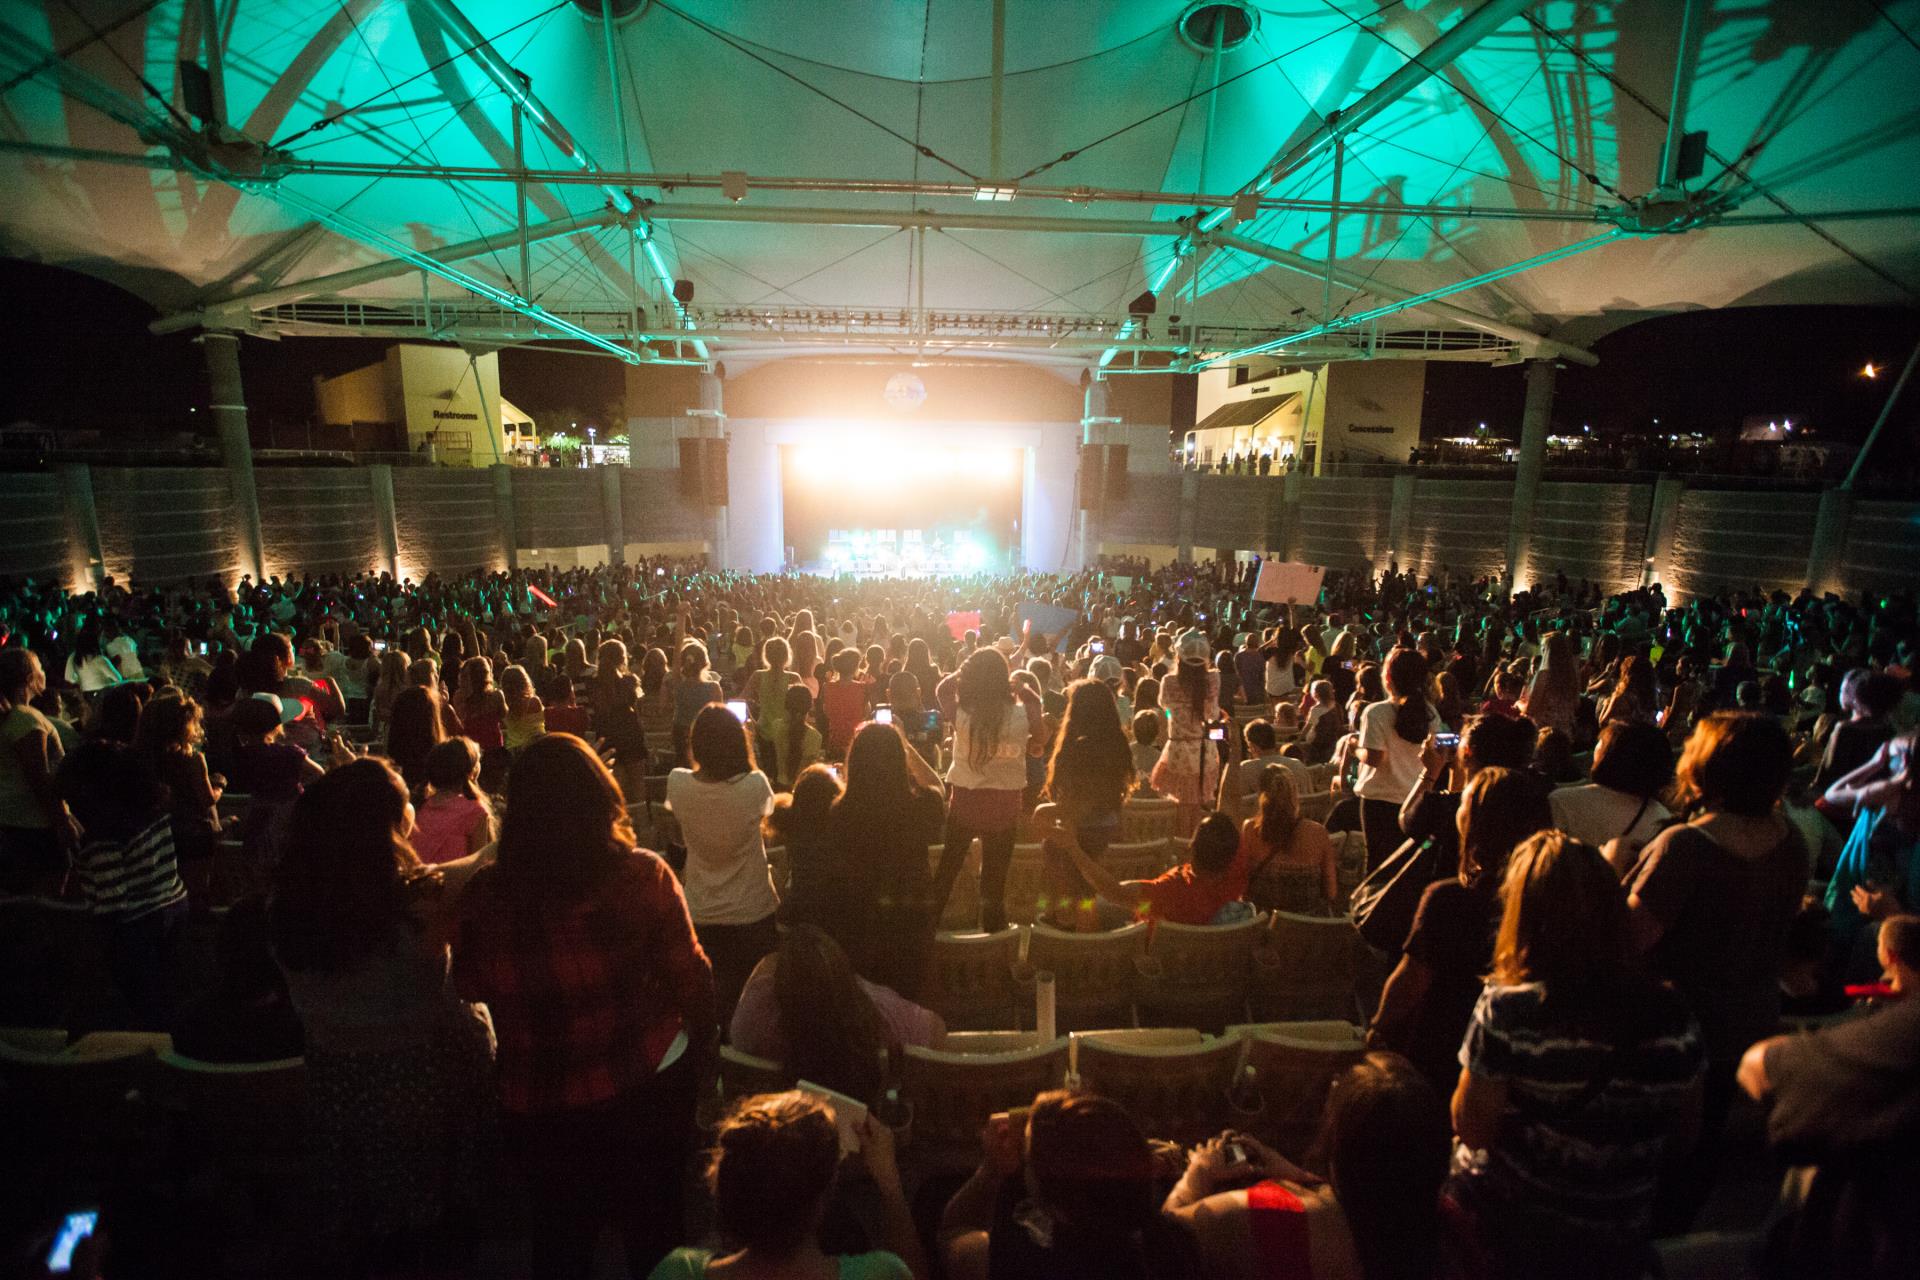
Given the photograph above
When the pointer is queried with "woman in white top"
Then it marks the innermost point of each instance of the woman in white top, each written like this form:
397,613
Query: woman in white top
995,727
1619,812
718,805
1391,735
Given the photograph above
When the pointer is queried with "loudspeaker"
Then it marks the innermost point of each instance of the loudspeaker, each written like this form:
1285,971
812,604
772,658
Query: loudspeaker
703,470
1093,482
1143,305
692,451
1116,475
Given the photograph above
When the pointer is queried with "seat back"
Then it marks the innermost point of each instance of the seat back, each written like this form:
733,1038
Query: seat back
1140,861
1350,862
1320,778
1094,974
742,1074
953,1094
252,1105
1316,806
73,1102
1026,884
1175,1091
1305,968
1198,975
961,911
970,978
1293,1066
1147,820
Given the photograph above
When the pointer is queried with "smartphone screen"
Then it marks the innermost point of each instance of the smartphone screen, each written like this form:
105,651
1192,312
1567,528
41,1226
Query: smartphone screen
739,709
933,722
1446,741
77,1227
203,648
1098,646
883,715
1217,734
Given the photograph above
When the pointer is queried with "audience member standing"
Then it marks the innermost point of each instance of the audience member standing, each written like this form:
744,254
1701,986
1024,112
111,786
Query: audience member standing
581,946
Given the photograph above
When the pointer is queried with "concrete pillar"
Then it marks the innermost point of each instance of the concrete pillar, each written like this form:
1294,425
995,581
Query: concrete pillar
503,512
1284,518
1189,504
1092,431
89,571
1667,492
386,522
1829,541
613,514
1400,522
229,408
1535,421
713,424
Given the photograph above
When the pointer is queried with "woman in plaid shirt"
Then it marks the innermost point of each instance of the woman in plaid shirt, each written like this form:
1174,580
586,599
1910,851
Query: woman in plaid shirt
580,945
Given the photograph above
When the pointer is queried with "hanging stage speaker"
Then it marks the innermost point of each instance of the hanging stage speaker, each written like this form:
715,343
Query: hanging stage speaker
1092,476
1116,475
714,471
692,451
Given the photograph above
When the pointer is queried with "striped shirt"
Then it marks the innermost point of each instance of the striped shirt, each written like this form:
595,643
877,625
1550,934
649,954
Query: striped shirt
1590,1108
132,879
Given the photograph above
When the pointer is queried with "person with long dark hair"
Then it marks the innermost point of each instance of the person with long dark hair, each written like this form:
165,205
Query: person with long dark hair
1190,764
1429,996
399,1069
1579,1076
879,832
805,1008
1376,1215
995,729
1288,860
415,729
1088,778
1392,733
580,944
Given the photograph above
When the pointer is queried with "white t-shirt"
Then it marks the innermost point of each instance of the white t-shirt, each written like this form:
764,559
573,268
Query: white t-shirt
1597,814
1006,768
1250,769
1393,779
728,880
93,674
350,674
126,657
1279,678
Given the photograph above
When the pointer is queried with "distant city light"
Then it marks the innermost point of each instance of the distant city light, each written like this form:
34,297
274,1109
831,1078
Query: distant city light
1870,371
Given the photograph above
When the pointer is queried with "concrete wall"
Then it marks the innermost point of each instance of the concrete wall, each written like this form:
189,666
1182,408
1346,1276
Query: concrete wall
653,511
1457,525
1342,523
1373,409
557,507
1882,547
1592,531
164,524
447,520
317,519
34,538
1151,514
1732,540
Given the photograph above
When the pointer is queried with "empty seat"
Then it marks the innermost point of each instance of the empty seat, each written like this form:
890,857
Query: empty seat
970,979
1197,975
1176,1091
953,1095
1094,974
1305,968
1138,861
1143,820
72,1105
1292,1064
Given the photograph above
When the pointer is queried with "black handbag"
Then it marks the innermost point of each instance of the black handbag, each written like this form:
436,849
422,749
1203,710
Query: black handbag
1383,905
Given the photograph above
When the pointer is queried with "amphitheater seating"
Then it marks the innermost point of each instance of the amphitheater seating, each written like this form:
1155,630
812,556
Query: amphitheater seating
1142,860
1175,1091
1094,974
961,913
1197,975
1026,884
1291,1065
243,1118
1143,820
1305,968
742,1074
72,1103
970,979
954,1094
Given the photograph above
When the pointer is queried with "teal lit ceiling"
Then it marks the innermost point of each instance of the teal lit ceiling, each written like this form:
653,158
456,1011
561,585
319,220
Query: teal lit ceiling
1811,107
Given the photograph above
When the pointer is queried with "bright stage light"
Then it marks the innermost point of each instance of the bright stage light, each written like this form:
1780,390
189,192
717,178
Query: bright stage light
881,461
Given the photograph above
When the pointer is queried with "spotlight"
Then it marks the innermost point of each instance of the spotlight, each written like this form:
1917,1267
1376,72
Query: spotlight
683,292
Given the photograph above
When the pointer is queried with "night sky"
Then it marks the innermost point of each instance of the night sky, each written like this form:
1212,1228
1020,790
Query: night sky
82,357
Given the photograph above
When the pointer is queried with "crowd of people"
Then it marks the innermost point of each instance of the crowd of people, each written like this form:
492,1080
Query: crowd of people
1607,838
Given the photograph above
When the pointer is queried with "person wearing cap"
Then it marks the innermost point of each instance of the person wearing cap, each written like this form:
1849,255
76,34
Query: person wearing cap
265,765
1189,767
1107,670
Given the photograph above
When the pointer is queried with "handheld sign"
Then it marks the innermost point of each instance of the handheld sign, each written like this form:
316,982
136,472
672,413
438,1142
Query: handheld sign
1282,580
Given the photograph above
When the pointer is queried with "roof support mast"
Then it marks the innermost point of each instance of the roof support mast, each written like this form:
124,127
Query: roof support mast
1692,30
